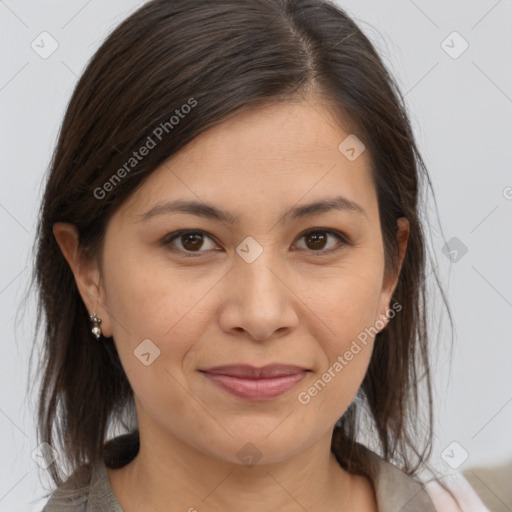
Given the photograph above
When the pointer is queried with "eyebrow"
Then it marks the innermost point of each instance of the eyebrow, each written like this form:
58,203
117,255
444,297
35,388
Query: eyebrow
208,211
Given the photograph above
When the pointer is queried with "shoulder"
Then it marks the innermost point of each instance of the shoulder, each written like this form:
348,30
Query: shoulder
86,490
492,483
396,490
460,496
73,494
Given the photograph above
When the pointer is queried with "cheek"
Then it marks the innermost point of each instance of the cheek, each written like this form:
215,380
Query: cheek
148,302
330,390
346,315
158,321
346,303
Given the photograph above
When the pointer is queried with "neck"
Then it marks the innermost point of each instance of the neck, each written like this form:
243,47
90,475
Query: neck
178,476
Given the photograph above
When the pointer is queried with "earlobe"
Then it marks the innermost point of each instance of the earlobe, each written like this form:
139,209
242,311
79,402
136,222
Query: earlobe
85,271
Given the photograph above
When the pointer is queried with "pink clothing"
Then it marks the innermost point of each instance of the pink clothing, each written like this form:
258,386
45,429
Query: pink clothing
467,499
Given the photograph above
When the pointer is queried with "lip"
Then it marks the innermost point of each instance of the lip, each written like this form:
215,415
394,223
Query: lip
253,372
252,383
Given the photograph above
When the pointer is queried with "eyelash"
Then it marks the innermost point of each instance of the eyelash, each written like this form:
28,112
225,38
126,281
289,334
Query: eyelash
342,239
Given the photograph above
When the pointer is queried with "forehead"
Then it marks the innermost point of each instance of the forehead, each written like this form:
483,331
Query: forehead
286,153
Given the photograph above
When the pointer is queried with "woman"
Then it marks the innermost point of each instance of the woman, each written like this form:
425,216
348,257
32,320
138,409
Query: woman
231,268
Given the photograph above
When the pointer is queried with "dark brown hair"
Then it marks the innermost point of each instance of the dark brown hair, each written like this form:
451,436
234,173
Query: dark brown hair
221,57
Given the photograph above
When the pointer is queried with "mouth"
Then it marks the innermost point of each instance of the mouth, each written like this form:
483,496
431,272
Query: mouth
252,383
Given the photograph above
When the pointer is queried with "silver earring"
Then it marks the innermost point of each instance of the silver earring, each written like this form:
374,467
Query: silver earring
96,321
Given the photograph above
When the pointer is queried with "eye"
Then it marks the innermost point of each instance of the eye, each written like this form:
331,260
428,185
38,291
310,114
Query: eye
188,242
316,240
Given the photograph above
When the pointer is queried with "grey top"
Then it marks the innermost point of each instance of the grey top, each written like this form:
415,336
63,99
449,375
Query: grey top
90,490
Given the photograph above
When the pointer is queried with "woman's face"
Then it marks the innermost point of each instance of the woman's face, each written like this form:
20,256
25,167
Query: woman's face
252,288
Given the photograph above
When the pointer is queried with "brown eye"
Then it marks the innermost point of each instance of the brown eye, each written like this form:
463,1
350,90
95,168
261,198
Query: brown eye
318,240
189,242
196,242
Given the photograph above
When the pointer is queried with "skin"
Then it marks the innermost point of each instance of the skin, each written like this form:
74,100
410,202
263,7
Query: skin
296,303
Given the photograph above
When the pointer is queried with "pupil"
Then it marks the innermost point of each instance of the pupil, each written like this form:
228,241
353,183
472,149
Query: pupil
318,240
196,241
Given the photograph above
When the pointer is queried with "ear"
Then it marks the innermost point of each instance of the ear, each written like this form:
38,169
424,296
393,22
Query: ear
86,272
388,287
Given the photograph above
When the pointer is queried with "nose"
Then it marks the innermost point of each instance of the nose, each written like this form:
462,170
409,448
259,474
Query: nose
259,299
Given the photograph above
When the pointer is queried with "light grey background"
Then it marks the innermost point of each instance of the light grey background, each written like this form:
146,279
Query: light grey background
461,109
